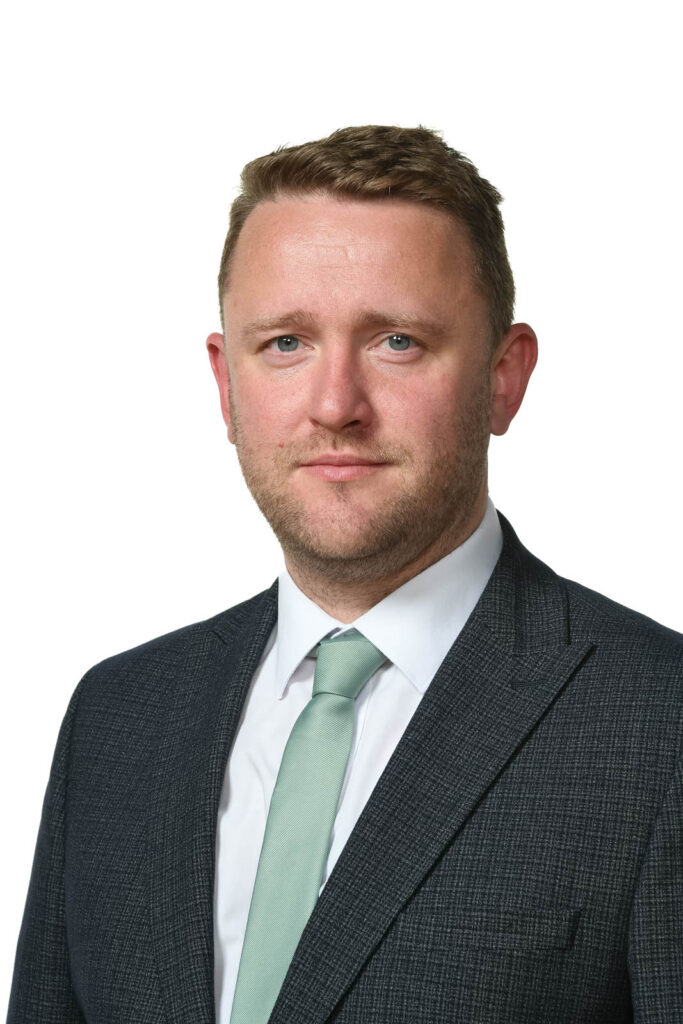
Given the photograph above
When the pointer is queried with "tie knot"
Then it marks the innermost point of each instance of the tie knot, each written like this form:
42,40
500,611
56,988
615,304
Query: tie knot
345,663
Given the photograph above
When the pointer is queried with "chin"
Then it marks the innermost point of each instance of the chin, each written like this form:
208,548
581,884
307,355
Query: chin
330,546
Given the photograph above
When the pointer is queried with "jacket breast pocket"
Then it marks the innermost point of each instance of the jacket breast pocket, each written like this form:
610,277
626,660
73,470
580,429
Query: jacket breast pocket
464,961
532,932
471,931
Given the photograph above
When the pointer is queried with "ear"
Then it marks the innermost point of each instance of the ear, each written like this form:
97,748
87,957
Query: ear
512,365
215,343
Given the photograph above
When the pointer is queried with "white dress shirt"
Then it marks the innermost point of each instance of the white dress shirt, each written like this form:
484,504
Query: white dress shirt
414,627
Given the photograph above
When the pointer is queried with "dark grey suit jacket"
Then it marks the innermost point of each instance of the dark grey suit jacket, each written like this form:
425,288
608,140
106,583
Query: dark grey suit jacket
520,860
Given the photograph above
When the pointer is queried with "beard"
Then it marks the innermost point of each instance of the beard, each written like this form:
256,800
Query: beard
344,540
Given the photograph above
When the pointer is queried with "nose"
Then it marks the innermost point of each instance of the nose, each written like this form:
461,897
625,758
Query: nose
339,398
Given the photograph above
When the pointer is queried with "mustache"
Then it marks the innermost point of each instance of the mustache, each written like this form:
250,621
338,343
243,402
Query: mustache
296,453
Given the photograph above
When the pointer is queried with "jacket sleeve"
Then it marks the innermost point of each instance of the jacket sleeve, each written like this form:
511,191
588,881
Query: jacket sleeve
656,926
41,988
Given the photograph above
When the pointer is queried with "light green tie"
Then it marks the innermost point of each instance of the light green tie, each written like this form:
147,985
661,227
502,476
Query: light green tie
300,819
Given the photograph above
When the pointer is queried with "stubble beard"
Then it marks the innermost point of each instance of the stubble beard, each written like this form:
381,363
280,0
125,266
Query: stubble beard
431,507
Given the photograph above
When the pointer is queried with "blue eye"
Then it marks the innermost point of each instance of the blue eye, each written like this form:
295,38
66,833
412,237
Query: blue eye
399,342
286,343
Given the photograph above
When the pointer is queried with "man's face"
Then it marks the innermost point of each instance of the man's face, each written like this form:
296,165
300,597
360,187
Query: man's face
354,331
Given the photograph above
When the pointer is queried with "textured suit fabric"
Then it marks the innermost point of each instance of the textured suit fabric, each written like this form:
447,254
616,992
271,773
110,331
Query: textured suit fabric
520,859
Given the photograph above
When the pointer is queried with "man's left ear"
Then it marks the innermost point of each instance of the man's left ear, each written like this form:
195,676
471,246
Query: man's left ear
512,365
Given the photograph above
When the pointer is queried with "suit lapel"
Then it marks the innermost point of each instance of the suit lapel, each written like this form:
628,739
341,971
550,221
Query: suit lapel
507,666
209,689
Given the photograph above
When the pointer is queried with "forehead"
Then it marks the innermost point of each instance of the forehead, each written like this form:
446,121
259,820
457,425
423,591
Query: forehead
334,248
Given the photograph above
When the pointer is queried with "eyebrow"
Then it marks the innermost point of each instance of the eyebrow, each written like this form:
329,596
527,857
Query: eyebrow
265,324
301,319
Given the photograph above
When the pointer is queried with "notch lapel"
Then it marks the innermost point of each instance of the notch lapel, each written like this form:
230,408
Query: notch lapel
505,669
209,689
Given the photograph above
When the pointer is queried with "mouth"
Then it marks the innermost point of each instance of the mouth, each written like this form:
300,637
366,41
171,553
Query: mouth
337,467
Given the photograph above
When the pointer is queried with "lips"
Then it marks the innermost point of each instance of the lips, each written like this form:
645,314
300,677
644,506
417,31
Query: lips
337,459
336,467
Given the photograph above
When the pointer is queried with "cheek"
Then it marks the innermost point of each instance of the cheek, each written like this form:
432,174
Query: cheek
267,411
425,409
445,418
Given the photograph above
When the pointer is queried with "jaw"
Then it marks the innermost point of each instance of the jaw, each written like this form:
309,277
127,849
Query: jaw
353,532
401,516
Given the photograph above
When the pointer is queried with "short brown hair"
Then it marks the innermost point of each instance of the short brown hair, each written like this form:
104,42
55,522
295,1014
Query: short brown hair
382,162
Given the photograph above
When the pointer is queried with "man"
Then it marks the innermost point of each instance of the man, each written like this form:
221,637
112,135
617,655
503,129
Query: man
421,778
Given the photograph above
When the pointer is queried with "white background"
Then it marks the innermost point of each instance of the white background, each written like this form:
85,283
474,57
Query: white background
124,131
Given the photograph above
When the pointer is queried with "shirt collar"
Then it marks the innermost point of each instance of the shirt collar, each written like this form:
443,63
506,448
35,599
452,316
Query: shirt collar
415,625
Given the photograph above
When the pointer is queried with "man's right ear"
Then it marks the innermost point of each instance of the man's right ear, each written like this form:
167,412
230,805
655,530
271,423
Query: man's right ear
216,346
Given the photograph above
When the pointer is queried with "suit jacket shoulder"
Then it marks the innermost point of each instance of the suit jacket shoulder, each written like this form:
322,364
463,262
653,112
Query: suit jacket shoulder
588,614
172,660
618,623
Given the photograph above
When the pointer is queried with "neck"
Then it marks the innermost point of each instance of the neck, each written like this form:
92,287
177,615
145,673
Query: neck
347,601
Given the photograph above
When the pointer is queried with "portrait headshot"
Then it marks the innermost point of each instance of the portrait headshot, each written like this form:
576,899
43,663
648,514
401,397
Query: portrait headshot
344,575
